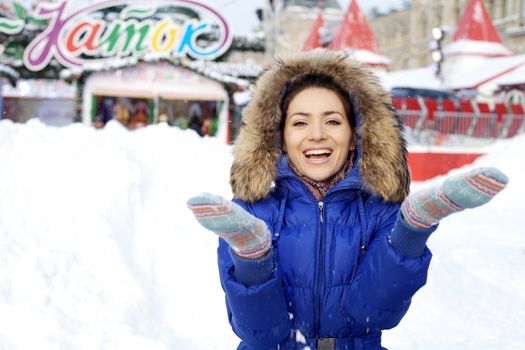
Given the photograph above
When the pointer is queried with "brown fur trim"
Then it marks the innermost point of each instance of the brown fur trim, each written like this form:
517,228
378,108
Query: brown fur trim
383,166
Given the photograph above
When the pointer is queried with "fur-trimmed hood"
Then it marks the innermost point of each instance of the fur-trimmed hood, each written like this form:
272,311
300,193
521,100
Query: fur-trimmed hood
382,162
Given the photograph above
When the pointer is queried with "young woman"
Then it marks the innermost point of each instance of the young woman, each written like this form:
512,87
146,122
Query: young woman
322,247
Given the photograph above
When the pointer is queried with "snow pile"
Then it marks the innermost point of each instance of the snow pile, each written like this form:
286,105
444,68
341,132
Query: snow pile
475,294
98,249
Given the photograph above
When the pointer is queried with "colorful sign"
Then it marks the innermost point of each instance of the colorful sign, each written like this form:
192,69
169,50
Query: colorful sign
165,28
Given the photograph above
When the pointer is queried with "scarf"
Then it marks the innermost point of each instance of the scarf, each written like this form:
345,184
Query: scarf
320,188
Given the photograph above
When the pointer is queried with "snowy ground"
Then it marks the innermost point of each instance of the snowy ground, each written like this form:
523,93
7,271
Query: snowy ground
98,250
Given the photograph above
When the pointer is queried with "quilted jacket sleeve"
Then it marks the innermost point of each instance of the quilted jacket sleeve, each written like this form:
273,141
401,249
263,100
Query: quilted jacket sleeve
258,314
386,279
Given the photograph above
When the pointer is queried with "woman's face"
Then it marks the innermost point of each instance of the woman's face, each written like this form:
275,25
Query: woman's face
317,133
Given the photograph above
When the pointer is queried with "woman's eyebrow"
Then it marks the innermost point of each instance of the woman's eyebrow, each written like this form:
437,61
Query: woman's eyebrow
306,114
332,112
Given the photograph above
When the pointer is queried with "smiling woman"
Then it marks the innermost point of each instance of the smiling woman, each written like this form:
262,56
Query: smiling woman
332,254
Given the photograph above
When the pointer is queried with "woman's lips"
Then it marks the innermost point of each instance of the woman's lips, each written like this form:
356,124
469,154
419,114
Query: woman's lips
318,155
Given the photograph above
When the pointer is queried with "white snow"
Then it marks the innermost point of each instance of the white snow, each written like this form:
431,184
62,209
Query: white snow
475,295
98,249
367,57
423,77
476,47
299,337
515,77
474,72
489,71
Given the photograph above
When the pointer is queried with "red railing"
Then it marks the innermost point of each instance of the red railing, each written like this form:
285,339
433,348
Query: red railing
463,118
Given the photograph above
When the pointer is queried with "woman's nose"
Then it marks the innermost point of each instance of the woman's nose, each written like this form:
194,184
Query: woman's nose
317,132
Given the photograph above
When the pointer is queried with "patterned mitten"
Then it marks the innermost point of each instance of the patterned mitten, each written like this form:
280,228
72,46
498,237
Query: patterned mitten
425,208
247,235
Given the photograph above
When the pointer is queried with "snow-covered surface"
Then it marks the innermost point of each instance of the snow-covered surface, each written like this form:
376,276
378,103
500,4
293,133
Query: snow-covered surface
423,77
492,69
368,57
514,77
474,47
226,72
98,249
475,294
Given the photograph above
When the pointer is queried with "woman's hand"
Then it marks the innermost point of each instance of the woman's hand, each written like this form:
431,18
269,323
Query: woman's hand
247,235
425,208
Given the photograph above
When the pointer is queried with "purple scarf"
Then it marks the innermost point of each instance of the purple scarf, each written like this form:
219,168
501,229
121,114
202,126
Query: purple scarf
320,188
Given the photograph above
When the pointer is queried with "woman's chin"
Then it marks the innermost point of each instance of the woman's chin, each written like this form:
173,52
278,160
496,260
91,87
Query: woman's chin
318,174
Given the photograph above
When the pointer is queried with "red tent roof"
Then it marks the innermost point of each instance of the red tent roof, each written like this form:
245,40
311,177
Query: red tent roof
354,32
314,41
476,24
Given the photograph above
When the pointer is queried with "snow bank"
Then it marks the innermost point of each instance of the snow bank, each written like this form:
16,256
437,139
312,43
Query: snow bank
98,249
475,294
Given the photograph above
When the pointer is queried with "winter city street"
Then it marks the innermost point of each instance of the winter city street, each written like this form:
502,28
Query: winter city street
113,113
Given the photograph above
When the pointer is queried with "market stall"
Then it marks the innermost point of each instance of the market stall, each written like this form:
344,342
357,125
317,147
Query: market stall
149,93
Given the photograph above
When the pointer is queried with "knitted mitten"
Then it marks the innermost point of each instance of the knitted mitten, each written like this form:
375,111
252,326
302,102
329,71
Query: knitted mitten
425,208
247,235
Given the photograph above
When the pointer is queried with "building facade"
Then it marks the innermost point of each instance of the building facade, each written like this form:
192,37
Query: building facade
288,22
405,36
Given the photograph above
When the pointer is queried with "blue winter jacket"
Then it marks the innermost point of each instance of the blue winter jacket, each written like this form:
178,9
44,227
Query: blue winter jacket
336,274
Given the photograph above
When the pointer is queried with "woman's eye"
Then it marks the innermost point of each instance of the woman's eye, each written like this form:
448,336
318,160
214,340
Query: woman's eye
298,123
333,122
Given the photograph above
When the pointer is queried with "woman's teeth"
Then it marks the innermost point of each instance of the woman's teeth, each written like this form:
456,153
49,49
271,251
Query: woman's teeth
317,153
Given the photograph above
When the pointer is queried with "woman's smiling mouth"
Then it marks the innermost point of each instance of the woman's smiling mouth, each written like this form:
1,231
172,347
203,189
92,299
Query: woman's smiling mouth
318,154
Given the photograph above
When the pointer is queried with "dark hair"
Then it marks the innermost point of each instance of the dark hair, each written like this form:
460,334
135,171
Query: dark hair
319,80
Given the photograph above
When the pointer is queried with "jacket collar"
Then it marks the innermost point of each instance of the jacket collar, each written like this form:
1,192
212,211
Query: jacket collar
292,182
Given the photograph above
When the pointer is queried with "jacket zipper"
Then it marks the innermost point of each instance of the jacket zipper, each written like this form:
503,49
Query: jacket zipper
320,268
320,265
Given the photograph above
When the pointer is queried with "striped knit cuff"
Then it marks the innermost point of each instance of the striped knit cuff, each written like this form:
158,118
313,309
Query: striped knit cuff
407,240
424,209
251,272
